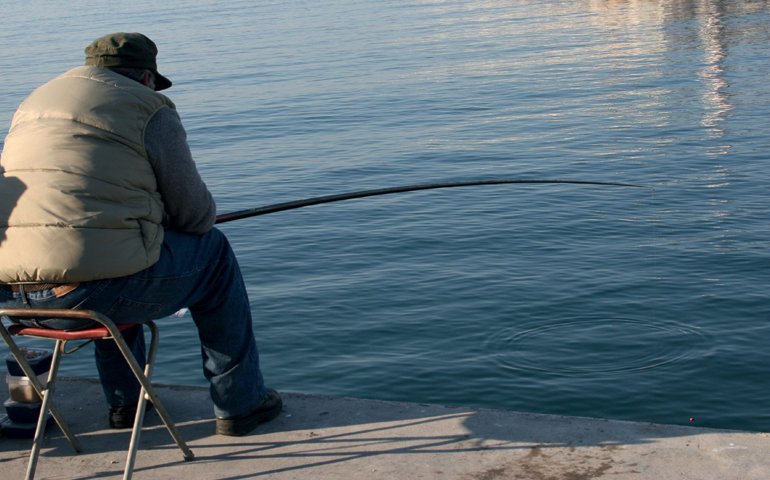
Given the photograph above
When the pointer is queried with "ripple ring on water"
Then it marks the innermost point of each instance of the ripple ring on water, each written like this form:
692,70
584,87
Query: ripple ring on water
594,346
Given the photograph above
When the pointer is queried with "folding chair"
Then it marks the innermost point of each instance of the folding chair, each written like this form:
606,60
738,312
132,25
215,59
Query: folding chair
108,330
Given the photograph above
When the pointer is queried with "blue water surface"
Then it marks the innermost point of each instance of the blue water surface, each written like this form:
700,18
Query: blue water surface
645,304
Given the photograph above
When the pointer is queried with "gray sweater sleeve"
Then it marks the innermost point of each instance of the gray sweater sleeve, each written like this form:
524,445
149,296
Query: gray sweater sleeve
188,204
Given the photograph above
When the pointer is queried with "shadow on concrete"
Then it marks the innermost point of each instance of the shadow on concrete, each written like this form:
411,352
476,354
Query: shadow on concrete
320,433
409,431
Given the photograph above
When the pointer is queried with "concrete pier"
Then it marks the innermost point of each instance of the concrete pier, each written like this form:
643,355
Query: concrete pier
319,437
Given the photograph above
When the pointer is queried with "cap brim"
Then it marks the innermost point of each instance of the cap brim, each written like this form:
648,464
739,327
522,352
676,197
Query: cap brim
161,82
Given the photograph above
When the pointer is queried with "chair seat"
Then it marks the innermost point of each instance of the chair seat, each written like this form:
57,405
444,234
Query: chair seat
85,334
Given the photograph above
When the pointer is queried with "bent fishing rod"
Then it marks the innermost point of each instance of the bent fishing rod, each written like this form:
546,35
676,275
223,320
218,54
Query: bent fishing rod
280,207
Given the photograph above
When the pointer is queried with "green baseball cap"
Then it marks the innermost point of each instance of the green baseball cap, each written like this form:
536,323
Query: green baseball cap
129,50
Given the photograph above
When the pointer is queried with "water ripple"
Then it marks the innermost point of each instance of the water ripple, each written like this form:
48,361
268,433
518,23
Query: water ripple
591,346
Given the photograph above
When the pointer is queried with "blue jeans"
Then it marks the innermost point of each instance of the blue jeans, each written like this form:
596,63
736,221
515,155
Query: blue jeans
195,271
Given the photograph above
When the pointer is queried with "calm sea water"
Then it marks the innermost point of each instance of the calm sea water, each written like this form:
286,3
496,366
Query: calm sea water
646,304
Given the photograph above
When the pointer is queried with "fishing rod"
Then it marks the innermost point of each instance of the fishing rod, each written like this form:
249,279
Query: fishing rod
280,207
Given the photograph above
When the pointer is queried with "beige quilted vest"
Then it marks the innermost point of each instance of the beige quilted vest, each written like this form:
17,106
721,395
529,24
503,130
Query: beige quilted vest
78,196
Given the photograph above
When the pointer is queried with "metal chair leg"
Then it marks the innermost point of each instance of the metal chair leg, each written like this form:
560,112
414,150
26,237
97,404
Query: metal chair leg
139,374
140,408
42,419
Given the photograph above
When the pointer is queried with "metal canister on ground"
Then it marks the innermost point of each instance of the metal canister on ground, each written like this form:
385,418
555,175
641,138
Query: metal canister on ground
23,406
